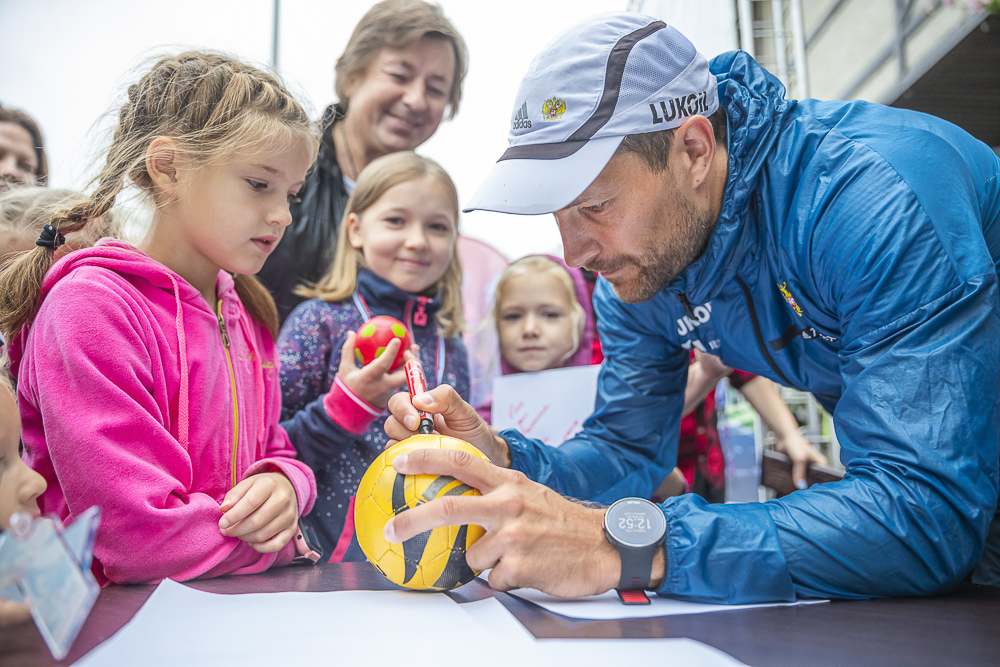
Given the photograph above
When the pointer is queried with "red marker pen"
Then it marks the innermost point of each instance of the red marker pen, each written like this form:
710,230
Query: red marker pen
415,383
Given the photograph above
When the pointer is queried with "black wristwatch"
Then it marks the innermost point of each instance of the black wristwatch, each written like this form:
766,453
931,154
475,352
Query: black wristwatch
637,528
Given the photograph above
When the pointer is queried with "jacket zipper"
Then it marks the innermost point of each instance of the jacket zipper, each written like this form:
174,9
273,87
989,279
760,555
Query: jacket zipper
758,334
232,383
687,306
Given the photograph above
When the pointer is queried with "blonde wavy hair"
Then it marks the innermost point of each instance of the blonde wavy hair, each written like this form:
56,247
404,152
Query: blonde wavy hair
213,107
375,180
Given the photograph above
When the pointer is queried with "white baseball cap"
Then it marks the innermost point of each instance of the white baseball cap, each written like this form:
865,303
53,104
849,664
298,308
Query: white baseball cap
607,77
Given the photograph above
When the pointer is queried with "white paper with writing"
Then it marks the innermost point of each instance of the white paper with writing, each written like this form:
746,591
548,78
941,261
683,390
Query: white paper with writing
549,405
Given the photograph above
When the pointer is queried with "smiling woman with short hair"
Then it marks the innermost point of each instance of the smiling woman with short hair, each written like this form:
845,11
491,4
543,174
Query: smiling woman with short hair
401,71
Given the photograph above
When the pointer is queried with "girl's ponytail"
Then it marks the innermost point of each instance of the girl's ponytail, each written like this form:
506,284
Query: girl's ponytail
257,301
21,278
20,285
211,105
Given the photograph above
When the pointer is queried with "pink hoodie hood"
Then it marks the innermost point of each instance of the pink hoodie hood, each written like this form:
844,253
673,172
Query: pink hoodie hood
127,260
148,414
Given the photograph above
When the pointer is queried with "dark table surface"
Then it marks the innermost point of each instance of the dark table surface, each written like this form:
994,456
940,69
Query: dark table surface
961,628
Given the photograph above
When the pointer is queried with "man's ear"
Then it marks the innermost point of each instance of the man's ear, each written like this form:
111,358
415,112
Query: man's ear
162,163
354,231
694,142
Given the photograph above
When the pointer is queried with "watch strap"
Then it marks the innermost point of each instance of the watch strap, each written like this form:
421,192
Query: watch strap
637,566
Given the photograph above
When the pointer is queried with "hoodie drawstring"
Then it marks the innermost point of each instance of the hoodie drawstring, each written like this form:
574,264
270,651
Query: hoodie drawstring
182,406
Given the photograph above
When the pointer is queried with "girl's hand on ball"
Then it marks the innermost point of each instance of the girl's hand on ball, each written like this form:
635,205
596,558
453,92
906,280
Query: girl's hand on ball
452,416
262,510
373,383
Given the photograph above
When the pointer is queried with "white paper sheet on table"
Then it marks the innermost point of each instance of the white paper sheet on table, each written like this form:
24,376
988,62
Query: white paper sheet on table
607,606
179,625
598,652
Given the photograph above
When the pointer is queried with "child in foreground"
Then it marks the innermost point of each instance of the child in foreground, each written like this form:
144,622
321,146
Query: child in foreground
396,255
20,486
146,375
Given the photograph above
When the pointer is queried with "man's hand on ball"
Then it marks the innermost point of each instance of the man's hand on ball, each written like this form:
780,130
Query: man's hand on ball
534,537
262,510
452,416
373,383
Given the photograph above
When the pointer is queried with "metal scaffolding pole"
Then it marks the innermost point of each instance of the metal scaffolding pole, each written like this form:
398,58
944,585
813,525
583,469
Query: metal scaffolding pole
745,12
778,22
275,31
799,44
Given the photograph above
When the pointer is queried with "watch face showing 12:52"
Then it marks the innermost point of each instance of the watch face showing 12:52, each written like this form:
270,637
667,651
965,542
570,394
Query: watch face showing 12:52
636,523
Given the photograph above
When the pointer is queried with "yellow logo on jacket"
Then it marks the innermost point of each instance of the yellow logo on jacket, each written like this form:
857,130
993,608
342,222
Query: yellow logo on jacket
789,298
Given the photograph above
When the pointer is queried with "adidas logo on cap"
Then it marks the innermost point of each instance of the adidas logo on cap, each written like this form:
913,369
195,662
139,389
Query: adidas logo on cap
521,121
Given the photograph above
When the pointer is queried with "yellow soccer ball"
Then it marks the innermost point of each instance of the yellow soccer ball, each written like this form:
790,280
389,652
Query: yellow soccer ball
434,560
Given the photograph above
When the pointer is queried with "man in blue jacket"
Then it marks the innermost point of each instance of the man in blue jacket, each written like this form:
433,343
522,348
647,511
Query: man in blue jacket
844,248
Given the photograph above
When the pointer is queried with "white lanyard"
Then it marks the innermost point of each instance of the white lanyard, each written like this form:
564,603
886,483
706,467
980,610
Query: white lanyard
439,355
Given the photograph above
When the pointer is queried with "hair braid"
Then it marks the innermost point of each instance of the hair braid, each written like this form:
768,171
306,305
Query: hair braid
21,279
211,106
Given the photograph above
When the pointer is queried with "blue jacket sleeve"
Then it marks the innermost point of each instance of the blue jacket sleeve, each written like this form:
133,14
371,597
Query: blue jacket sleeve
715,553
629,444
899,257
897,260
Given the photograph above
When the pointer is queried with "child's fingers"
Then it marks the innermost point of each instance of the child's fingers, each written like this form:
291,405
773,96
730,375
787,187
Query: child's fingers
348,361
255,496
383,362
235,493
279,504
397,379
280,521
12,613
276,543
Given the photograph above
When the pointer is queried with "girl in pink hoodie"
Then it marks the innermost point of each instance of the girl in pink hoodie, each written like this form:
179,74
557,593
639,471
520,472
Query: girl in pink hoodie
147,376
